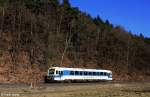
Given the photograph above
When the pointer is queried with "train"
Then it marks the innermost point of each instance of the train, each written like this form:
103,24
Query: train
64,74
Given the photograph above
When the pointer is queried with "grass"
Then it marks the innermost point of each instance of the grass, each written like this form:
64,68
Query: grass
85,90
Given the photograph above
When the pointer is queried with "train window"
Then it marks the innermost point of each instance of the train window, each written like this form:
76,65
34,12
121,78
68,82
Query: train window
101,73
61,72
76,72
85,73
105,73
56,72
81,72
90,73
71,72
109,75
51,71
94,73
97,73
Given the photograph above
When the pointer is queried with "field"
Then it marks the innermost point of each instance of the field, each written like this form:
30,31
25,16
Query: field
100,89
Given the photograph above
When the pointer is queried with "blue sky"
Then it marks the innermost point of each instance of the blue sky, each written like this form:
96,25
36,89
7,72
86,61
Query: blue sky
133,15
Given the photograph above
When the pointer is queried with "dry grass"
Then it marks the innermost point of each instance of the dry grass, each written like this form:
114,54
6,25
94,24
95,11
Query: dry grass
83,90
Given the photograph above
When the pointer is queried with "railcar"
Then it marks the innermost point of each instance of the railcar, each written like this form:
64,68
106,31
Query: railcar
59,74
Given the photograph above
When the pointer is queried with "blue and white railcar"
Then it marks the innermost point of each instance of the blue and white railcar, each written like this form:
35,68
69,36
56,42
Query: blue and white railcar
77,74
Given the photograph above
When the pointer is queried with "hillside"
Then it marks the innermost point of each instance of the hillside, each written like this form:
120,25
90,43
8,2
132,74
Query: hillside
34,34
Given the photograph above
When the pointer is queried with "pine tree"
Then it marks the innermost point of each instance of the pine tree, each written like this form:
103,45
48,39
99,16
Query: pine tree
66,4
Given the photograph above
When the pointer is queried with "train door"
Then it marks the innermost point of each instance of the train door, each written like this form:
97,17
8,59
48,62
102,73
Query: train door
58,75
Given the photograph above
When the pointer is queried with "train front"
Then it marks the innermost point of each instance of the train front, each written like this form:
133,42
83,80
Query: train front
50,77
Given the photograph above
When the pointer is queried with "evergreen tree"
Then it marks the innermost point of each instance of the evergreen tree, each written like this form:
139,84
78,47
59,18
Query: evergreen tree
34,5
66,4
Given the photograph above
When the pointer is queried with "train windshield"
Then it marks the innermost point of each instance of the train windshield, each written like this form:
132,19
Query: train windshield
110,75
51,71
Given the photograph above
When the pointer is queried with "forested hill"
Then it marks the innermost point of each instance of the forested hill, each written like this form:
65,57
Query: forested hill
35,33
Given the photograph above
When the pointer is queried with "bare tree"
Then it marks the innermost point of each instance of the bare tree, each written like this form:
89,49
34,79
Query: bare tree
67,43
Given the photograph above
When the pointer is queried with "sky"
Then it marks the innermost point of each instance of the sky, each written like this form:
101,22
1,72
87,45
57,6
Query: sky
133,15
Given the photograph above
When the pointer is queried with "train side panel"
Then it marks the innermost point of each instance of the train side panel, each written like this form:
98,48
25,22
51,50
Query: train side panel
64,74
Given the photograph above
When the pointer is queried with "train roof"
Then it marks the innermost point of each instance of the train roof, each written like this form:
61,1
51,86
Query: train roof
79,69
